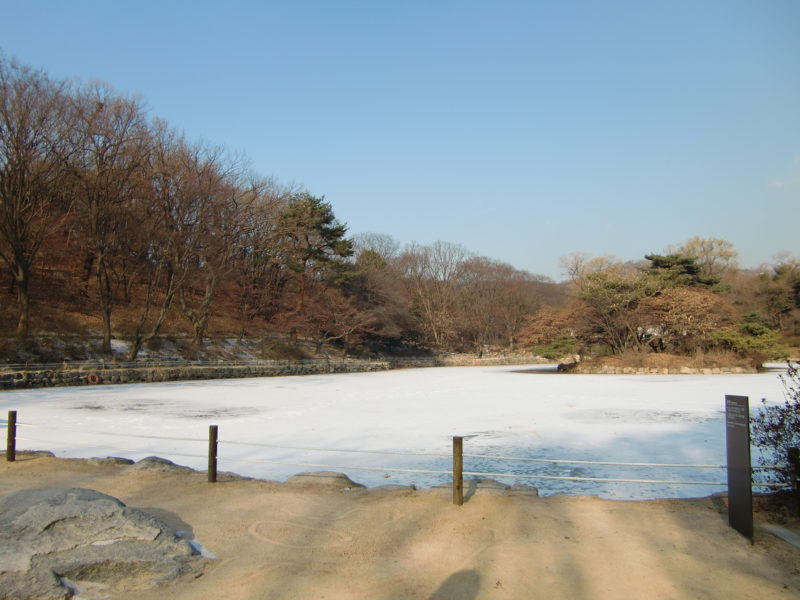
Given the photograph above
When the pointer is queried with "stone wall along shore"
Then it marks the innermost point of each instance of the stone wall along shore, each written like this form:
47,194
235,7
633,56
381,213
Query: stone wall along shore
613,370
109,374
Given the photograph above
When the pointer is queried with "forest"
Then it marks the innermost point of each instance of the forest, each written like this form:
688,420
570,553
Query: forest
116,227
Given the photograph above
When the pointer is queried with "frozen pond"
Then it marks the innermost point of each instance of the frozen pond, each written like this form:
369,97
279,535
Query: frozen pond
500,411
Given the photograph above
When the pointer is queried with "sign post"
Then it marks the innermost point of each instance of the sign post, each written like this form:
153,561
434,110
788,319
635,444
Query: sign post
740,488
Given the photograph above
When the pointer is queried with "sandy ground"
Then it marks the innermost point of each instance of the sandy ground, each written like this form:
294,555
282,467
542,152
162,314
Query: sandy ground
319,540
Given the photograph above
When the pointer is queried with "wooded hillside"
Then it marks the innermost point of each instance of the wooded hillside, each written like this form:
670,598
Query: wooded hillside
115,226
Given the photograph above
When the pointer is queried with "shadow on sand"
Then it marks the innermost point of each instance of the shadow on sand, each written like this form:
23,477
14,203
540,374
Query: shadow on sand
461,585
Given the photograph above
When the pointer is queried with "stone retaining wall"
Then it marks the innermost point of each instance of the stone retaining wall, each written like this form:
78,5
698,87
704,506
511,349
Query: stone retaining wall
73,377
27,379
49,378
612,370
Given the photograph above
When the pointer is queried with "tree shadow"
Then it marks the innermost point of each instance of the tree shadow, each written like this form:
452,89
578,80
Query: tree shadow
462,585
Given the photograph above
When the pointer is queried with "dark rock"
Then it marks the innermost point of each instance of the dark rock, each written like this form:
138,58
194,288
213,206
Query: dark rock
156,463
31,453
109,460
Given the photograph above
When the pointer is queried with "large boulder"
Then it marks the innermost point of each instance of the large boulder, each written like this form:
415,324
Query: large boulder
156,463
57,543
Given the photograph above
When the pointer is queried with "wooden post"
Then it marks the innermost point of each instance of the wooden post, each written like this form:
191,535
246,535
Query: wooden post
794,461
11,442
458,471
212,453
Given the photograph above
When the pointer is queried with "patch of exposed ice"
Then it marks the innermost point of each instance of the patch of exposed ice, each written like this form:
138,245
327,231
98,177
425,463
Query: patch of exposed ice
201,550
600,416
197,547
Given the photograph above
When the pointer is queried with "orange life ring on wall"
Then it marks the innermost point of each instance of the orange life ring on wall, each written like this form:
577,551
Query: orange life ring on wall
93,378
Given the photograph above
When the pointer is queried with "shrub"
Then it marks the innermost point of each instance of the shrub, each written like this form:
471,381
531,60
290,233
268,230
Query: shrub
753,339
776,429
562,346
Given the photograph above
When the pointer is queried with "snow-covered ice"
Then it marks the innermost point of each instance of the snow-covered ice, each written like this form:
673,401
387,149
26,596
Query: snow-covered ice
500,411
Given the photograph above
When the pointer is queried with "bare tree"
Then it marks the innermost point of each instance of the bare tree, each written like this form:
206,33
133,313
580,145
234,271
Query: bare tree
715,257
384,245
332,316
494,301
179,188
478,294
431,274
522,295
32,155
609,317
219,205
376,286
682,319
113,141
261,272
550,323
574,264
773,292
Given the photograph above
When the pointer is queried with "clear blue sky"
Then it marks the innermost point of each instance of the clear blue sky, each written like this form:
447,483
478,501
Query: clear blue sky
522,130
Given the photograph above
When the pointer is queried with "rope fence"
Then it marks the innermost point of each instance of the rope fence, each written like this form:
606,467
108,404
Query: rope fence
344,450
113,433
457,456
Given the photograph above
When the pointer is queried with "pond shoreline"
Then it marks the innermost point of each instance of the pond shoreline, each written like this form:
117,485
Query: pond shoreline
102,373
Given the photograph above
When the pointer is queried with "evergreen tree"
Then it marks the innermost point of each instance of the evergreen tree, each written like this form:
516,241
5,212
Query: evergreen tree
677,269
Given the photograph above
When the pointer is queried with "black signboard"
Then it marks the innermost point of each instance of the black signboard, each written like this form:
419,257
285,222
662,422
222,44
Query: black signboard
740,491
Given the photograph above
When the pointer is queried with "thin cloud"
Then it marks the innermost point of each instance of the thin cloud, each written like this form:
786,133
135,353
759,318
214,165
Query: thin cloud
791,180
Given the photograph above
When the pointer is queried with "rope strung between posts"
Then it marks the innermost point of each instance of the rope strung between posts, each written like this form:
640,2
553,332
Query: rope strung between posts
105,447
82,446
498,475
604,463
235,443
438,472
590,462
203,456
388,452
114,433
620,480
485,456
324,466
414,454
343,450
503,475
396,453
595,479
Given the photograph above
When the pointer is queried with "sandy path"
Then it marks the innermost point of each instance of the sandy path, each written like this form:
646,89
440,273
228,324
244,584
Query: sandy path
319,541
